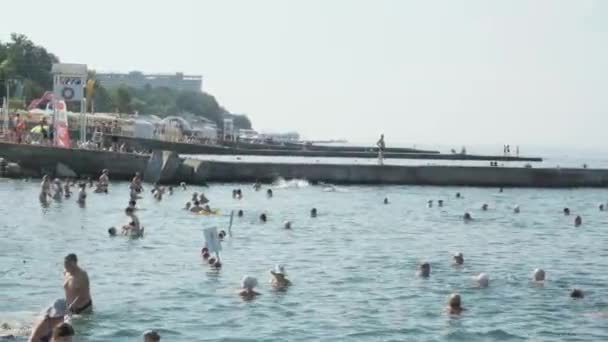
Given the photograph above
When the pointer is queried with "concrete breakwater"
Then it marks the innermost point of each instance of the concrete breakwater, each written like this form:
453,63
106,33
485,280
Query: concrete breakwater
187,148
168,167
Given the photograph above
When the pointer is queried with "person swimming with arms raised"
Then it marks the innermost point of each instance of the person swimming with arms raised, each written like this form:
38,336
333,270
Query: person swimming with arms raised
247,285
133,228
454,304
53,317
279,280
76,286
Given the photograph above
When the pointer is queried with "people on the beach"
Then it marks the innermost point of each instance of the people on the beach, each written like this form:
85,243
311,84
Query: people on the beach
151,336
247,287
63,333
133,228
578,221
279,280
53,317
538,275
381,147
458,259
76,286
454,304
424,270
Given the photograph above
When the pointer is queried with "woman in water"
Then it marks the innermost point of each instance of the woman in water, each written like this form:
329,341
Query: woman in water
279,280
57,189
247,285
82,194
133,228
454,305
54,316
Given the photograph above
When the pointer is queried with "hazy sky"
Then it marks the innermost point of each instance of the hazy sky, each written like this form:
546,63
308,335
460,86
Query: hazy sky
448,72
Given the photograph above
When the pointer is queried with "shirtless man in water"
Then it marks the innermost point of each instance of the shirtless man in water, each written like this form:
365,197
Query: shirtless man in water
104,180
76,285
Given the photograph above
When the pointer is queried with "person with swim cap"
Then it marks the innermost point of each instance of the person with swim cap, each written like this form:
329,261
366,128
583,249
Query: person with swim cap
454,305
279,280
76,286
313,212
63,333
538,275
247,285
482,280
578,221
269,193
53,316
133,228
151,336
424,270
458,259
566,211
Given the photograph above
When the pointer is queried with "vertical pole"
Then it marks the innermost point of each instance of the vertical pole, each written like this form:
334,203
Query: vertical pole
83,121
7,106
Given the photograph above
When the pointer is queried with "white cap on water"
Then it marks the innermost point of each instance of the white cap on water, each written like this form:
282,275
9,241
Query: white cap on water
538,275
483,280
249,282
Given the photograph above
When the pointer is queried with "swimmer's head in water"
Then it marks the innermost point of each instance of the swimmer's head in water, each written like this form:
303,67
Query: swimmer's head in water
204,250
467,216
217,264
222,234
269,192
458,259
483,280
129,210
151,336
458,195
601,207
484,207
566,211
206,255
578,221
197,203
112,231
385,200
212,261
440,203
516,209
454,301
313,212
538,275
240,213
63,332
132,203
188,205
249,282
263,218
577,294
287,224
424,269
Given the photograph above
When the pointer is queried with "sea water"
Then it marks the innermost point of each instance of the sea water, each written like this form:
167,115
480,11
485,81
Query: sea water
353,268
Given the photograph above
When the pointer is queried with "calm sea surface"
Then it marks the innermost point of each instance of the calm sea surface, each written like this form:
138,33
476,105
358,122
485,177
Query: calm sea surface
353,267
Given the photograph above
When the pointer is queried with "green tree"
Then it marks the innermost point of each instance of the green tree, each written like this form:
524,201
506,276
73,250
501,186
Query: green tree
121,98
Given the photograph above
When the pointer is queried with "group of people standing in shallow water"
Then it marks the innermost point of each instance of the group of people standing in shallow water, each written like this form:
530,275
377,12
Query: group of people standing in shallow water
55,325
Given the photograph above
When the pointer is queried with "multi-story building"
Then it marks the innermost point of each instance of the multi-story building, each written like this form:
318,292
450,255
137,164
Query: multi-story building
139,80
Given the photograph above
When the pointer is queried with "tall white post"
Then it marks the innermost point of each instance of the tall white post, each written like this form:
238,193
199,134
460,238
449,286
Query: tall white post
83,120
6,106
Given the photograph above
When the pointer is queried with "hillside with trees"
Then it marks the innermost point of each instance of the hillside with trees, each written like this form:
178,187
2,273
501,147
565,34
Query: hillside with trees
26,69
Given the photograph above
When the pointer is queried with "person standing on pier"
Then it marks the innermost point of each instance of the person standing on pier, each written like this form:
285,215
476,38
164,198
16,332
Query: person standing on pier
381,147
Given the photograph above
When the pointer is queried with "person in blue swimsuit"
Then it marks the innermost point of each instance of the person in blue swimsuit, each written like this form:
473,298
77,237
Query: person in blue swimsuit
53,316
